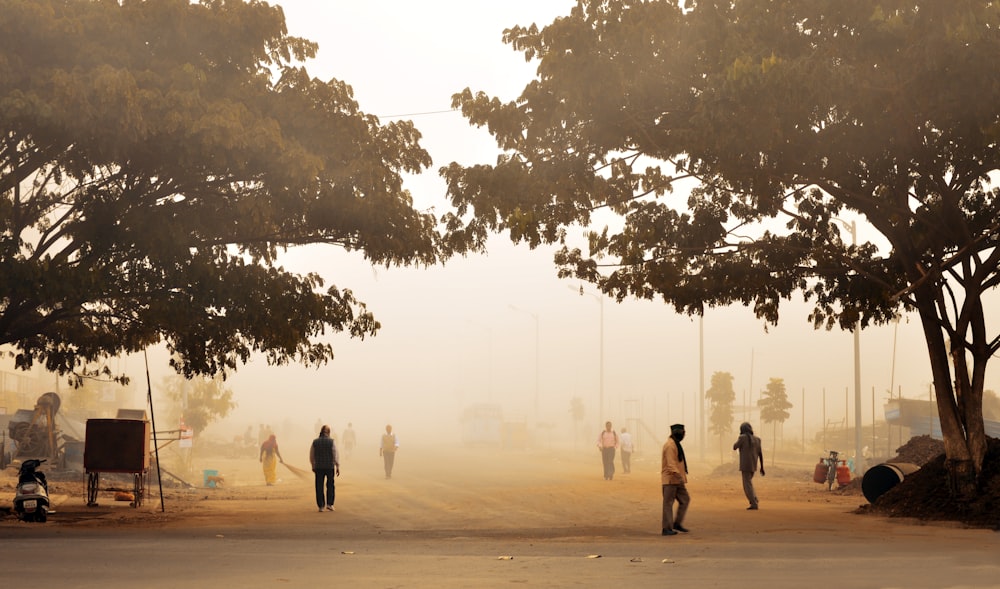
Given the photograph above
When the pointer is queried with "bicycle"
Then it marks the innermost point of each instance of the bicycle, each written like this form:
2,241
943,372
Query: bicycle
827,470
832,461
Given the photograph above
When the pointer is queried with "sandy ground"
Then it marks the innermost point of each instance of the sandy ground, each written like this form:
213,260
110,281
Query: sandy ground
459,517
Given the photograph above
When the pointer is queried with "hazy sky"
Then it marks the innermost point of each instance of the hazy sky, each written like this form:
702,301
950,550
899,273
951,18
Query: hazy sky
450,336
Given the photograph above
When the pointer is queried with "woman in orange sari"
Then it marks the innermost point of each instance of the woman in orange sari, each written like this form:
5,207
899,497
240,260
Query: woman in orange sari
269,457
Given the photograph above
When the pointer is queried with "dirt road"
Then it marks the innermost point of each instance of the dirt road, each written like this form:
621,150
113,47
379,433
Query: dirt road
462,518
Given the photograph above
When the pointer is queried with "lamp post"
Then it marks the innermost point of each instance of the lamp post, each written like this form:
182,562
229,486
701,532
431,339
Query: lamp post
600,403
859,465
535,317
489,358
892,385
701,386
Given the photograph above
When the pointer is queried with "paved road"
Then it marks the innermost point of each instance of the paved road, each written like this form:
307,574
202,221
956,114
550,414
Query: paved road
430,527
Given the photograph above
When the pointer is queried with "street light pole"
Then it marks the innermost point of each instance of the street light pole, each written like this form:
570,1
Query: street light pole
600,404
859,460
489,358
535,317
701,386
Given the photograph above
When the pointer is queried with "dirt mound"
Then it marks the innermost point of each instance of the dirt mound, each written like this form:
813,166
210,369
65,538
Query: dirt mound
924,494
919,450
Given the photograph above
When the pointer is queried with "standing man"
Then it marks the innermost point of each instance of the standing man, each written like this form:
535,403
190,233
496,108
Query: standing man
607,441
673,476
325,464
626,441
750,452
350,439
387,450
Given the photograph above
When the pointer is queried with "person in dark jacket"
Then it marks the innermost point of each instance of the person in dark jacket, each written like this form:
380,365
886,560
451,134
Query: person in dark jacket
325,465
750,453
673,479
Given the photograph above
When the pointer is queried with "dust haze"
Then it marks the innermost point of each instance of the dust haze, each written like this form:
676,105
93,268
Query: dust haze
465,336
501,330
446,353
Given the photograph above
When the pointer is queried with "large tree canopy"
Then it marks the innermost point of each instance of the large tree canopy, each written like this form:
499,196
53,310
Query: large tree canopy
790,117
155,158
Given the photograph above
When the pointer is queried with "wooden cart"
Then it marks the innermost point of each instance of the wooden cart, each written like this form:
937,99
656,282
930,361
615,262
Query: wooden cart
116,446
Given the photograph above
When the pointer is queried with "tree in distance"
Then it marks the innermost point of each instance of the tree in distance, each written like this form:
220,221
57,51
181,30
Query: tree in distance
721,396
156,158
197,401
774,406
788,122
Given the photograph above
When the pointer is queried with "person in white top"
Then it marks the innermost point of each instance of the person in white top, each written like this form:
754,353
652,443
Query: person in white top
387,450
626,446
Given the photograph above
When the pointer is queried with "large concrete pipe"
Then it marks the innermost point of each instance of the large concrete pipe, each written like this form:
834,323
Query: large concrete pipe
879,479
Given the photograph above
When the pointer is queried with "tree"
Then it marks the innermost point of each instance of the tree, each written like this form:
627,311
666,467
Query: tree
774,406
198,401
786,117
721,396
155,159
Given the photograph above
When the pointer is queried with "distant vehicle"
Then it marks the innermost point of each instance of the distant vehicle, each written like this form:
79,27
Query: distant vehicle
482,424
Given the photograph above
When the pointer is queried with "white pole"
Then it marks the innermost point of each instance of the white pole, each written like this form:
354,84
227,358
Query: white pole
859,461
600,403
701,385
537,363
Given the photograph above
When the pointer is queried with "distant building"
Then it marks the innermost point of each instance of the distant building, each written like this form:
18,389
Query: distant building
920,417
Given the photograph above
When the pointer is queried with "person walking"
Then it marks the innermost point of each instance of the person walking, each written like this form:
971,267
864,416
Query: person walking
269,458
325,465
627,448
750,452
607,441
387,450
673,477
350,439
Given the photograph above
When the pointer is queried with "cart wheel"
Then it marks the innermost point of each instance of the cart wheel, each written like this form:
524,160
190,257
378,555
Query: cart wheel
137,490
93,482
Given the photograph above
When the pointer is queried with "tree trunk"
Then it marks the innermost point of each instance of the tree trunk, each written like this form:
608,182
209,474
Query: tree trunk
774,441
959,440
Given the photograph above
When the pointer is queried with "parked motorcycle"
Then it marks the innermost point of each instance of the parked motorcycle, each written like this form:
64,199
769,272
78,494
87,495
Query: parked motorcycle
31,499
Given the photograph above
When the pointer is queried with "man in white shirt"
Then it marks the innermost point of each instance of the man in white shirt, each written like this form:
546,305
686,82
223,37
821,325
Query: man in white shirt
387,450
626,446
